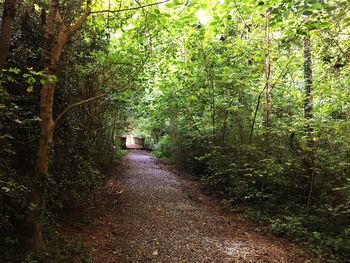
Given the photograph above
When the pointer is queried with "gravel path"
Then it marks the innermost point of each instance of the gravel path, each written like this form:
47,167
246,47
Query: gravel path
146,213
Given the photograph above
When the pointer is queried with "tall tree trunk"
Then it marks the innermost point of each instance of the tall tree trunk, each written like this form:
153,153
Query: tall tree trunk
47,125
308,105
268,87
41,164
56,37
268,73
8,19
211,87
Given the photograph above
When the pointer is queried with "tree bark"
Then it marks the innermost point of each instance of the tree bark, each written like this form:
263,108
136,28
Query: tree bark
268,73
8,19
56,37
308,106
41,165
268,89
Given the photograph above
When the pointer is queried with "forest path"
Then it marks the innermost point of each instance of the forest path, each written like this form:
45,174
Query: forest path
146,213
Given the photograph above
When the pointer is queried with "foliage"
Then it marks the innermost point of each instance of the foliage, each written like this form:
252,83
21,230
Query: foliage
59,250
85,140
216,87
206,106
163,147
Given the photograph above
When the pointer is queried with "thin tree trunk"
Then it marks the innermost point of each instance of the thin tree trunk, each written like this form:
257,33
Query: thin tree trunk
212,100
268,88
211,88
268,73
254,118
308,106
224,126
8,19
308,103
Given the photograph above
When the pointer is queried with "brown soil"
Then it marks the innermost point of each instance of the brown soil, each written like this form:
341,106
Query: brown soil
146,213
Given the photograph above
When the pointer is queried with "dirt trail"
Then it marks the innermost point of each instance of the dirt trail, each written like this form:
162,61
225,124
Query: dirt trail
148,214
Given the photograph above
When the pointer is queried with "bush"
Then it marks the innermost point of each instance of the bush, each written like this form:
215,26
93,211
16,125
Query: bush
164,148
58,250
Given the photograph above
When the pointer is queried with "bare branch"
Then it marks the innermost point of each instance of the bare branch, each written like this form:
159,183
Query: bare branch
282,73
76,104
129,9
240,14
260,96
78,24
59,117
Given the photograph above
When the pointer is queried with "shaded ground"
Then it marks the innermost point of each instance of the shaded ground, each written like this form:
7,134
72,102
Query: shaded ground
148,214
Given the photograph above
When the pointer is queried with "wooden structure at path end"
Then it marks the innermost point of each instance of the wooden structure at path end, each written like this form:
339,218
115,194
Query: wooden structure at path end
132,142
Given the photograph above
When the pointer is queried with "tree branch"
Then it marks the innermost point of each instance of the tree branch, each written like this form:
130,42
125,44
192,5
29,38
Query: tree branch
129,9
60,116
260,95
78,24
76,104
281,74
240,14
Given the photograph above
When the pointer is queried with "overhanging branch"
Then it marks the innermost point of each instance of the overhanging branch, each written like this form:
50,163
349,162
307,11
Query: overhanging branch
129,8
78,24
79,103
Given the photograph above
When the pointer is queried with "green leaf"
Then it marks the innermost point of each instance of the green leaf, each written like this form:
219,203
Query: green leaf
169,5
52,79
14,70
307,13
30,89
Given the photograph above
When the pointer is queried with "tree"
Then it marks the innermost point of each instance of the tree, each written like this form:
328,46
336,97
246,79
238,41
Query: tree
274,165
308,105
8,18
57,33
56,36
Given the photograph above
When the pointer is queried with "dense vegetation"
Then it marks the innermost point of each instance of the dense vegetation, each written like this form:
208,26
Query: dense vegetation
251,97
254,100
